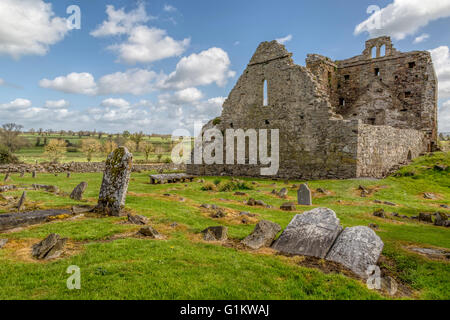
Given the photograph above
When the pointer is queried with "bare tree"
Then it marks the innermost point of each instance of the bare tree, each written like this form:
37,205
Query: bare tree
137,138
10,136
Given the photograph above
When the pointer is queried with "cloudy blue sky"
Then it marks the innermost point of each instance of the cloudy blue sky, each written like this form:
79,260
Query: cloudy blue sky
159,65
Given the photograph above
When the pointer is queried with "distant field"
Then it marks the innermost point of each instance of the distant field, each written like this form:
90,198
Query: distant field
33,153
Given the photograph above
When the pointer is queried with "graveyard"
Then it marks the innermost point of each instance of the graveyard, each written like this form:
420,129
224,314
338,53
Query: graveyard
183,239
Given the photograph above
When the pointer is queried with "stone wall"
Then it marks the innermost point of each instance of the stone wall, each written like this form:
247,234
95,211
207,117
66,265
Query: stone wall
381,148
81,167
393,88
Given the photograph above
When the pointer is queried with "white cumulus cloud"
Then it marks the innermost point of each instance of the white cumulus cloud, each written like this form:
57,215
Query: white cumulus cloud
121,22
403,18
2,82
169,8
204,68
115,103
421,38
441,60
146,45
16,104
284,39
134,81
56,104
444,117
80,83
29,27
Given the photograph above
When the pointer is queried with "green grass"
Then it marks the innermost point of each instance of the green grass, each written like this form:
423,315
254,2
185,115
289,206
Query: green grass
183,267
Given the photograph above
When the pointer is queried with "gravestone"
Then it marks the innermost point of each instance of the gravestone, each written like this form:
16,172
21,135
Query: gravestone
357,248
215,233
21,203
6,177
77,193
150,232
33,174
22,174
68,174
115,181
263,235
3,242
283,193
304,195
49,248
310,234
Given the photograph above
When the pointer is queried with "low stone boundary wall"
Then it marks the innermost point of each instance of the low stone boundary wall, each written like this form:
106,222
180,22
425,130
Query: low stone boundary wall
83,167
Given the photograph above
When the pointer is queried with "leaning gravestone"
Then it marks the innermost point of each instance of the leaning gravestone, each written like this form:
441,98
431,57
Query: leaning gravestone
49,248
114,187
304,195
311,233
21,203
263,235
77,193
357,248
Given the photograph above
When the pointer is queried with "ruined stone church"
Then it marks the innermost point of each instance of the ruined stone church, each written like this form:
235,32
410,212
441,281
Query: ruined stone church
360,117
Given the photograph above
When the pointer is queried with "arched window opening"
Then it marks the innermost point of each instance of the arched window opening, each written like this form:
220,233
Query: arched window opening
266,94
383,50
373,52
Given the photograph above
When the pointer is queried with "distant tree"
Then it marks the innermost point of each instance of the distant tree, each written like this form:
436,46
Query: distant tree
90,147
120,141
441,137
45,141
130,145
100,134
38,142
147,148
6,156
10,137
32,131
126,134
109,146
137,138
40,131
55,149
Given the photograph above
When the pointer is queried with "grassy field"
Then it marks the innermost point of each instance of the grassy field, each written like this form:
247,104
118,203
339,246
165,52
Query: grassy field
33,153
117,265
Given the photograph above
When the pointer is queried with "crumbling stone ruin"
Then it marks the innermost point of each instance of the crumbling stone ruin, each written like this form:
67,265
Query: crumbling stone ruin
360,117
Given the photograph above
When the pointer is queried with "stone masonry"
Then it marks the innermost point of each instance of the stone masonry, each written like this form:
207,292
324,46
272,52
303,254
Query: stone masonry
353,118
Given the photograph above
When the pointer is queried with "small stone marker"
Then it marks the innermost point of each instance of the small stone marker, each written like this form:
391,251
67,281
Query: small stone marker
263,235
283,193
116,177
49,248
137,219
304,195
3,242
22,174
6,179
288,206
68,174
357,248
21,203
310,234
215,234
77,193
33,174
150,232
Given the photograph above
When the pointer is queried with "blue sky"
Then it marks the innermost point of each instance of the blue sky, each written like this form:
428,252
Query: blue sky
160,65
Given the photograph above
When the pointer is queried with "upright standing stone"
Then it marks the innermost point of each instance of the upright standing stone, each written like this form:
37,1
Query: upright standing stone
116,177
33,174
21,203
357,248
6,177
77,193
68,174
22,173
310,234
304,195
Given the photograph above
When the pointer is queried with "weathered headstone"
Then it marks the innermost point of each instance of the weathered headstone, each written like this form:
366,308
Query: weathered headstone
215,233
33,174
49,248
283,193
304,195
150,232
77,193
137,219
114,187
357,248
311,233
289,206
441,219
68,175
21,203
3,242
263,235
6,179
